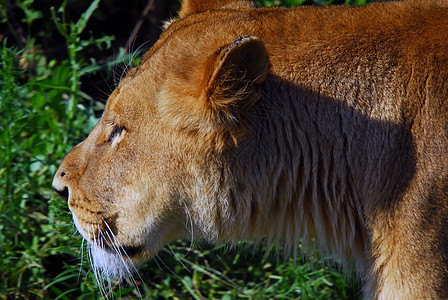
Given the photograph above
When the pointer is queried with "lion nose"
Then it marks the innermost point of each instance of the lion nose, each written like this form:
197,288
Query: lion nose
59,186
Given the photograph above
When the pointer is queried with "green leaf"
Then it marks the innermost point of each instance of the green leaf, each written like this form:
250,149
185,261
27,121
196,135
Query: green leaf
82,22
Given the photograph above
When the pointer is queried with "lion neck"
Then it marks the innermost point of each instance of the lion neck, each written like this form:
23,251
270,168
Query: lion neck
299,177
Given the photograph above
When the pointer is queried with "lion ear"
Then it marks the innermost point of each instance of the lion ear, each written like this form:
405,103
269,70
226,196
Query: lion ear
234,86
190,7
235,83
217,98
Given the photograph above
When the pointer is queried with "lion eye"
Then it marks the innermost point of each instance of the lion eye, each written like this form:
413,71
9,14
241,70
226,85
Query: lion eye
116,131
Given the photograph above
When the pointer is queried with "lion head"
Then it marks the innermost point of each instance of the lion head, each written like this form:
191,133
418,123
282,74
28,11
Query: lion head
146,173
319,126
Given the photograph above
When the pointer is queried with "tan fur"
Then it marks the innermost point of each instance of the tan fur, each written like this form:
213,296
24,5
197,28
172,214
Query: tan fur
321,125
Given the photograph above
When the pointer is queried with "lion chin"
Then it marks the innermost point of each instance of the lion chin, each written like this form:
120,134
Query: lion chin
310,127
108,257
110,264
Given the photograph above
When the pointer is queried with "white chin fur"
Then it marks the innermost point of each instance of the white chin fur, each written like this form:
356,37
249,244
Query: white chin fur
109,264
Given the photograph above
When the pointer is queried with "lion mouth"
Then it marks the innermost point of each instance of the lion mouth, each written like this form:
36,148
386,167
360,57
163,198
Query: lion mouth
132,251
106,240
125,250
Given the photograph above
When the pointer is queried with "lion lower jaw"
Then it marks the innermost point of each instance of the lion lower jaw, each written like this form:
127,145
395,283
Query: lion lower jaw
112,262
110,265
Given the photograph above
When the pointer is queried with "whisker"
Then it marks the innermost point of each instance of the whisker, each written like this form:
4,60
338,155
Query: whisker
96,270
191,231
81,253
102,239
131,57
167,267
157,263
179,259
120,250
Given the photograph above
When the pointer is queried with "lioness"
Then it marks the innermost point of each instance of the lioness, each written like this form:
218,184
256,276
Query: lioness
321,125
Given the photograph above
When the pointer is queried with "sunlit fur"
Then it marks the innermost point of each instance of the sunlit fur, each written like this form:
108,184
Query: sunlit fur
319,126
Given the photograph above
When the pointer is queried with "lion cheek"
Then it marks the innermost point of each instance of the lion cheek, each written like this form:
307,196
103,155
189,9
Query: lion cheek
149,222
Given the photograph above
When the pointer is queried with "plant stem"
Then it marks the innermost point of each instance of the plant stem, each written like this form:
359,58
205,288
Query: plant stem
8,79
74,79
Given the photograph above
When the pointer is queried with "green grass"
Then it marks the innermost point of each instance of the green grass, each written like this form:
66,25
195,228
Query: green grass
245,272
43,113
